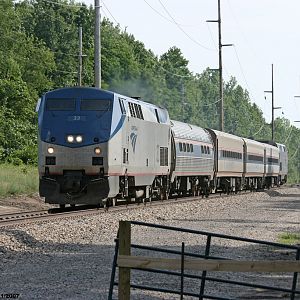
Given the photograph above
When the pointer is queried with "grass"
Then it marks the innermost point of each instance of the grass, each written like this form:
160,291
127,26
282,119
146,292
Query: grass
289,238
17,180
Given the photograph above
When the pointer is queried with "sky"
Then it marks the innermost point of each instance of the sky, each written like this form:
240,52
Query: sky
264,32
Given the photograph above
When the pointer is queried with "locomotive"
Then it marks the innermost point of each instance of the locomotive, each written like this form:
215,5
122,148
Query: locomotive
97,146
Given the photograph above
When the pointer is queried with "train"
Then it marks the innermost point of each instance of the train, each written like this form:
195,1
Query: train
100,147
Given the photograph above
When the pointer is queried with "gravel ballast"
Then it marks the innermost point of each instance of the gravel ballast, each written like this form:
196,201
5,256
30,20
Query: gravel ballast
71,258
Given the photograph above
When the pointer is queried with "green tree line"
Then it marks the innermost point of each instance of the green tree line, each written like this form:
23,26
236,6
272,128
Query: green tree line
39,52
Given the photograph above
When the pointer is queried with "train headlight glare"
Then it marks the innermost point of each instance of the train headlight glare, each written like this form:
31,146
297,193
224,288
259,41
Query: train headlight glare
50,150
79,138
97,150
70,138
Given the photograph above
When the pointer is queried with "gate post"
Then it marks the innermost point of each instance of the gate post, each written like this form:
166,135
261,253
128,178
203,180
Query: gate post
124,249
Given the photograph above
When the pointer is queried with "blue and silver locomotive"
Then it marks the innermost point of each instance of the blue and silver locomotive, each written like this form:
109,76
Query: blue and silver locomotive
96,144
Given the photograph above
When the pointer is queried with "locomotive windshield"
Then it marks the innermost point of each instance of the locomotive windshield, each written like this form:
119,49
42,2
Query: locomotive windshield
83,112
60,104
96,104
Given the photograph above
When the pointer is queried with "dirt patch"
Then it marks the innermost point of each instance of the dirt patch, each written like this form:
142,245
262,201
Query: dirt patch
26,202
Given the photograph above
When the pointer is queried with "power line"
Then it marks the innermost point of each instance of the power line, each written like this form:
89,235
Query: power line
158,12
288,135
245,79
260,129
171,21
294,153
212,37
241,31
177,24
210,104
103,11
242,71
216,46
109,12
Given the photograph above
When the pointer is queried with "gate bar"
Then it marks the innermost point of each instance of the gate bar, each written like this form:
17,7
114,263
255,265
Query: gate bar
207,249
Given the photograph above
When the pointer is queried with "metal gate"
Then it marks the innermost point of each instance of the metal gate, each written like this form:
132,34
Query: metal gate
202,264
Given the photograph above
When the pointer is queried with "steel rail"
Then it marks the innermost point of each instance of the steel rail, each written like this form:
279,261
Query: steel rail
30,216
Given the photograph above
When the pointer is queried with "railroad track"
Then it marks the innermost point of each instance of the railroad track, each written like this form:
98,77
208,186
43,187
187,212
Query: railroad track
42,215
84,210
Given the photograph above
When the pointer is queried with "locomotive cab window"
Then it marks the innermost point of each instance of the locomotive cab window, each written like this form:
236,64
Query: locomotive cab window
162,115
184,147
60,104
180,147
188,147
191,147
122,106
95,104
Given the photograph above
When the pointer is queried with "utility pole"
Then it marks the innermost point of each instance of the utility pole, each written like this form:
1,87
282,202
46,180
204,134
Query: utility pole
221,109
80,58
97,46
273,107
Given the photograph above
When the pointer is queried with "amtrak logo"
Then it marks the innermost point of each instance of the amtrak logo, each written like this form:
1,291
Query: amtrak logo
133,137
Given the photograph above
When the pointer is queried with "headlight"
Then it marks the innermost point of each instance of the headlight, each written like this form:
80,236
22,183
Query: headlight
78,138
70,138
97,150
50,150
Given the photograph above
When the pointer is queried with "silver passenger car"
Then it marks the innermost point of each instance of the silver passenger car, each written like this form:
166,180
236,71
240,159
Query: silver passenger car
194,158
229,166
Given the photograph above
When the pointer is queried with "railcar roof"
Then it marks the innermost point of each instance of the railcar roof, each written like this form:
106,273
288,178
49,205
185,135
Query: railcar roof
191,132
253,142
226,135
